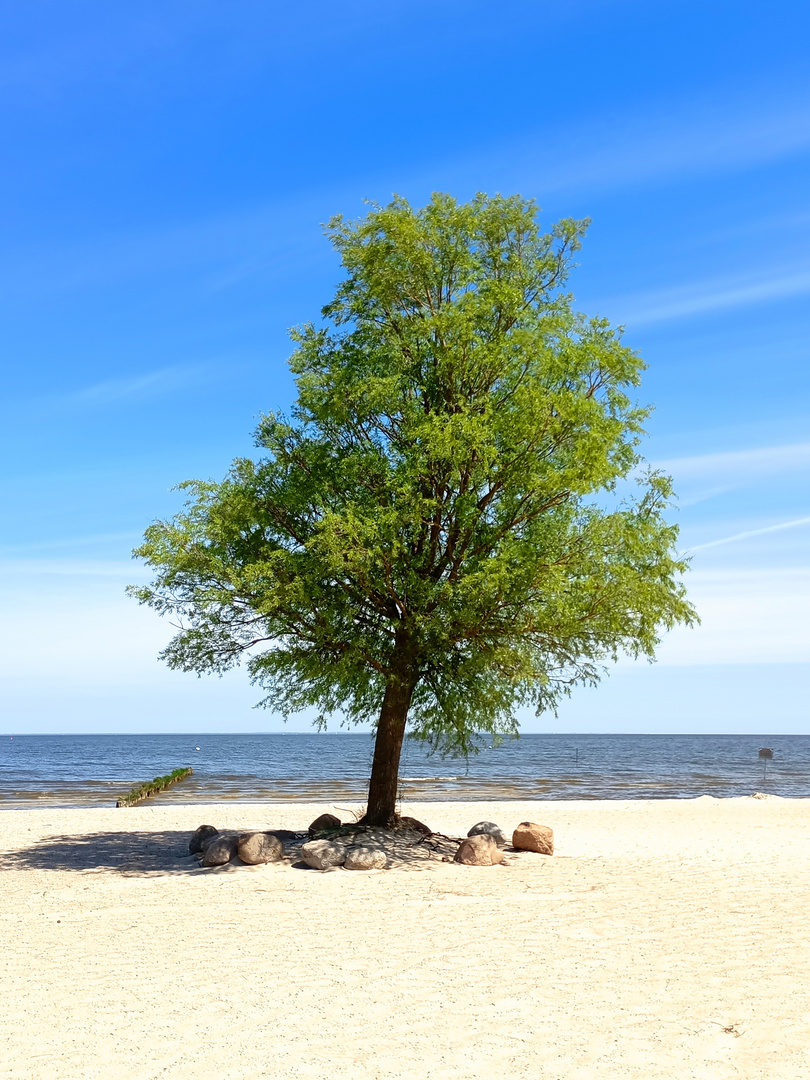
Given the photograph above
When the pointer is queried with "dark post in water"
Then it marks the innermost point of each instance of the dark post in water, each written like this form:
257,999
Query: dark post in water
766,755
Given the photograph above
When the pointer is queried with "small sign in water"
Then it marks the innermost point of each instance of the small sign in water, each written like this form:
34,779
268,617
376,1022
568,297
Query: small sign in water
766,755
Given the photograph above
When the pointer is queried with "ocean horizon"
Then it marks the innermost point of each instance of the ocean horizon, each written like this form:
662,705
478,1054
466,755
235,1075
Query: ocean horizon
71,770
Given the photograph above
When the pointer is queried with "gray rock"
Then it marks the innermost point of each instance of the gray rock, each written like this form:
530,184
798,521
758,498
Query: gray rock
220,850
321,854
529,836
200,838
365,858
255,848
489,828
323,823
480,850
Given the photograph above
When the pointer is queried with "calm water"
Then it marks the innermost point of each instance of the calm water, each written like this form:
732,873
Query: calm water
92,770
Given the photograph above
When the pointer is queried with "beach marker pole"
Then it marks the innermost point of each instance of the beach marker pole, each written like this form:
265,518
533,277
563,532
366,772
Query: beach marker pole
766,754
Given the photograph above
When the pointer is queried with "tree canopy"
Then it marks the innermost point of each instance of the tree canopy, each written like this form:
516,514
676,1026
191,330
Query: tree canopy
433,537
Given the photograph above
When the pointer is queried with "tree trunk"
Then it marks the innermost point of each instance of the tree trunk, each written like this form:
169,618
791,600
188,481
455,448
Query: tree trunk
384,782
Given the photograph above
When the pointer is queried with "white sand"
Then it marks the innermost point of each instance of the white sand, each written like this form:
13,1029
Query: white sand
663,939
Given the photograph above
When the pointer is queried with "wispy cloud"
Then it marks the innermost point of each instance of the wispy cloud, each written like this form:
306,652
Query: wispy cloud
699,136
283,237
796,523
112,390
747,617
109,392
658,142
68,568
123,46
273,240
702,476
700,298
93,540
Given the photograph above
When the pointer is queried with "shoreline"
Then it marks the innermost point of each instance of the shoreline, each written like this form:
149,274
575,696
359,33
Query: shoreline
664,938
178,799
202,804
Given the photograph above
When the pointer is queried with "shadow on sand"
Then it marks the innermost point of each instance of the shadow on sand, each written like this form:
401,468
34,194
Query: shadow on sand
148,854
130,853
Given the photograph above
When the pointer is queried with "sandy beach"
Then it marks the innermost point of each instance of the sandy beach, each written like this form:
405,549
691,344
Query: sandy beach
664,939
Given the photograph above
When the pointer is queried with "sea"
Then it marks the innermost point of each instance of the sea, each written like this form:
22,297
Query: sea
94,770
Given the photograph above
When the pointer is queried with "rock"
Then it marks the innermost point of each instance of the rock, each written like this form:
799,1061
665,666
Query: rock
529,836
324,822
480,850
200,838
220,850
417,826
286,836
255,848
321,854
489,828
365,858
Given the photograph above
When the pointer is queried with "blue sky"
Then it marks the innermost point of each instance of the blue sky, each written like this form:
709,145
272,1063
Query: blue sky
166,170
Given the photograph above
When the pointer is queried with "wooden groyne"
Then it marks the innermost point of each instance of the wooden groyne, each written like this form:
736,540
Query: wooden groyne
153,787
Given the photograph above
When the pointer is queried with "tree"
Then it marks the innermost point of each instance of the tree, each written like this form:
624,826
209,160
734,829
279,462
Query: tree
434,537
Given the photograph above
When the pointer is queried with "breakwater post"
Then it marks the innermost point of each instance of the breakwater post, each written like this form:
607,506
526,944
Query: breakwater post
153,787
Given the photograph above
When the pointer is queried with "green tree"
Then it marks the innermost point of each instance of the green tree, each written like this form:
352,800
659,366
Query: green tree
433,537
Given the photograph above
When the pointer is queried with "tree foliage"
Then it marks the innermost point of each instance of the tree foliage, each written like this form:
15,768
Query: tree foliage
435,529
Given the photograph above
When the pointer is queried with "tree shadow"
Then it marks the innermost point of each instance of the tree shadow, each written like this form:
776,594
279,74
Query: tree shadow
132,854
405,849
157,853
